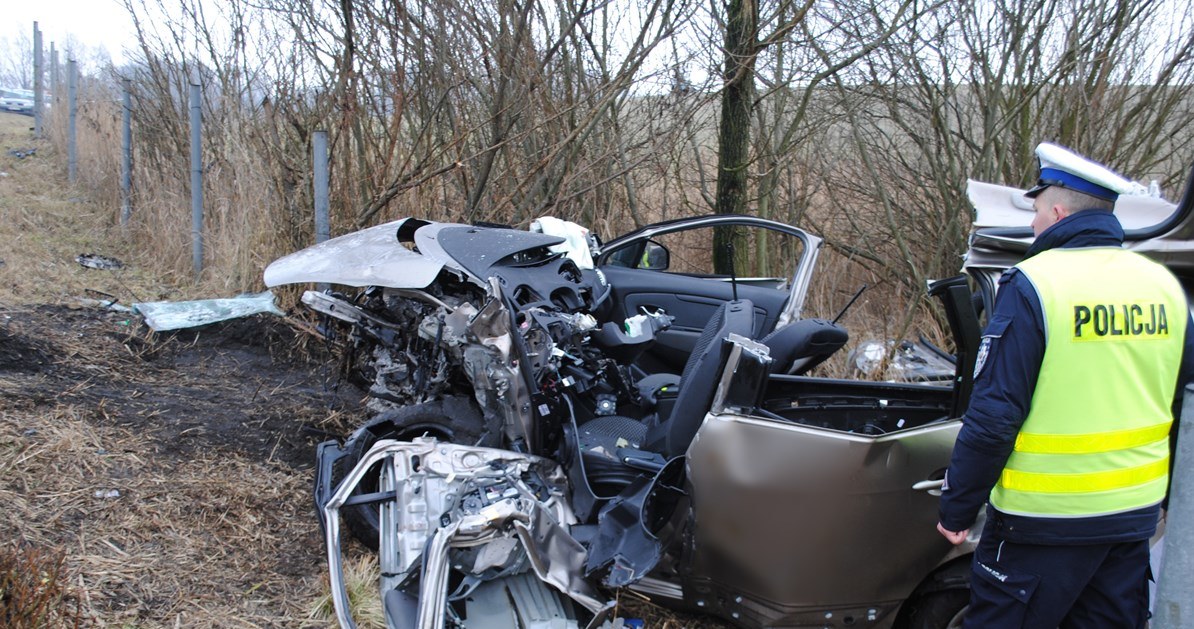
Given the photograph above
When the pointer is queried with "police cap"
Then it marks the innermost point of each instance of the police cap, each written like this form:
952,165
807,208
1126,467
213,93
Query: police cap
1062,167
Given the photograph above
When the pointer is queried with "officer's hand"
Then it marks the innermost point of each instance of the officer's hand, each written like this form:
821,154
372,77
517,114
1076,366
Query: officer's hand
954,538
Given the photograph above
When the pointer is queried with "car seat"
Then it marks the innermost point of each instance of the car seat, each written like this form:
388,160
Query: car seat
669,436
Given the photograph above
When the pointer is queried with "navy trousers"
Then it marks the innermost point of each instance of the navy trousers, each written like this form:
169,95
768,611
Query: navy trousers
1030,586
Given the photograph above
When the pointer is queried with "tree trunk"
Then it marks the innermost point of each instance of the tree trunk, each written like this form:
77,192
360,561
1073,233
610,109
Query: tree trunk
737,98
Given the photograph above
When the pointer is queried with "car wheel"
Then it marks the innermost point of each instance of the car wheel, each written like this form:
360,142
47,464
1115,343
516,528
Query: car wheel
940,601
943,609
456,420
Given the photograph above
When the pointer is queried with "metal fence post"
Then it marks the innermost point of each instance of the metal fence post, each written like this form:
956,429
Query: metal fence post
72,149
1174,608
323,229
37,81
319,162
196,181
53,77
126,164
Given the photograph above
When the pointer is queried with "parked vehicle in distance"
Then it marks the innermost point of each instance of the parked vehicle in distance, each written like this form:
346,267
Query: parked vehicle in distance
557,417
16,100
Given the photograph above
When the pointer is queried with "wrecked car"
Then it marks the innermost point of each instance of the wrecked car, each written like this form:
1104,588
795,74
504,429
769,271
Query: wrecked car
555,417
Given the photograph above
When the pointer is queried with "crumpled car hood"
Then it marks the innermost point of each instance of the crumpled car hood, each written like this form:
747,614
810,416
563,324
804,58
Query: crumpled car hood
377,256
370,257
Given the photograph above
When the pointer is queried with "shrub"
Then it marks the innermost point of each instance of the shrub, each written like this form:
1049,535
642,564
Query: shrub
33,590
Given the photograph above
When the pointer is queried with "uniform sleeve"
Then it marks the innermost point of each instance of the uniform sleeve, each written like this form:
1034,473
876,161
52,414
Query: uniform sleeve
1184,377
1009,361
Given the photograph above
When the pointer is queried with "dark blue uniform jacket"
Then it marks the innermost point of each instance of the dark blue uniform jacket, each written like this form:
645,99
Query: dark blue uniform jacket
1000,402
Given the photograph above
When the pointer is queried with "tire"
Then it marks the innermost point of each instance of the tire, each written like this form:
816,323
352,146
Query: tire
457,420
938,610
940,602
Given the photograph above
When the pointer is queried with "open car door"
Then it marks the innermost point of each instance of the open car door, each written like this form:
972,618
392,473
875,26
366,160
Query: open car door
668,267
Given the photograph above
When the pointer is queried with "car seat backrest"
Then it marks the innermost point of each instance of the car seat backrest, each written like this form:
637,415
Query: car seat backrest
798,347
698,383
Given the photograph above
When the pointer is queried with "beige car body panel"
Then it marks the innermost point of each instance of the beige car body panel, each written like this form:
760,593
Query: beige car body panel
806,518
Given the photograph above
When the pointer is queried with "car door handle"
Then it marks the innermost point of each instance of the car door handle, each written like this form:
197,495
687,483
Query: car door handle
933,487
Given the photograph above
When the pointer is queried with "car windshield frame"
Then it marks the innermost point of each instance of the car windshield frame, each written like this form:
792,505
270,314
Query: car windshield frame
801,275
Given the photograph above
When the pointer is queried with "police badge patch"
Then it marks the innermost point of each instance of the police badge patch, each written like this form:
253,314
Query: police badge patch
984,349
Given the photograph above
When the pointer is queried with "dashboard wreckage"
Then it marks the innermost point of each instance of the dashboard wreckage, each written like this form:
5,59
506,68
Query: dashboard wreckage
553,418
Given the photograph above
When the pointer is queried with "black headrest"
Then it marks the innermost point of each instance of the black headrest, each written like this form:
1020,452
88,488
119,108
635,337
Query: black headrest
804,344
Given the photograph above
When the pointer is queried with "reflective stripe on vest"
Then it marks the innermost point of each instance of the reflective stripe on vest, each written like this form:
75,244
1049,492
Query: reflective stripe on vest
1096,439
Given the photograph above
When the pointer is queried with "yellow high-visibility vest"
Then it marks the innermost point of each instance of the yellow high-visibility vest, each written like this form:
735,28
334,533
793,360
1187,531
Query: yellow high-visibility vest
1096,440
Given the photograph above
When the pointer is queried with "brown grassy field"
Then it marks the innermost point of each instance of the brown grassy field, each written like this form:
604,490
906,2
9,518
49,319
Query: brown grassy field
169,471
153,480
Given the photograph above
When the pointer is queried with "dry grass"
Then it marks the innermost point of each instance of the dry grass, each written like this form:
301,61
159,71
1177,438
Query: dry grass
256,188
215,538
46,223
241,224
360,582
148,543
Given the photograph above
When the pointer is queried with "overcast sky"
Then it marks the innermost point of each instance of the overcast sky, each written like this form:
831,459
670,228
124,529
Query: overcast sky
93,23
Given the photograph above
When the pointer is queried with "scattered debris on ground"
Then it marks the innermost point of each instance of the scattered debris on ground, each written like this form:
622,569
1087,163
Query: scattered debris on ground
170,472
177,315
96,261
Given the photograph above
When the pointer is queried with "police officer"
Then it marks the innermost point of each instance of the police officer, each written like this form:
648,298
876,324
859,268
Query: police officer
1067,437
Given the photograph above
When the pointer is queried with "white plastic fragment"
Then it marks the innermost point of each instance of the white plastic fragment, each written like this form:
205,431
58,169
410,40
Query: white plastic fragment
177,315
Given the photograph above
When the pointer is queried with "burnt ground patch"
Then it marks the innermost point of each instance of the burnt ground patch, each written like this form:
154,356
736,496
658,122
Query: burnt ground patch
255,386
22,355
173,470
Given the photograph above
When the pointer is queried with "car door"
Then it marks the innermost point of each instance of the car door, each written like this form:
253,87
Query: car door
668,267
806,522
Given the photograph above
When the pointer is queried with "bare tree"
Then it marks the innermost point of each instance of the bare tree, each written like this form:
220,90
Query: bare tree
834,35
861,119
967,92
16,61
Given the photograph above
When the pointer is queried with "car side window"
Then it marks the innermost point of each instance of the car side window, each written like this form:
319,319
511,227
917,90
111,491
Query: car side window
642,255
766,257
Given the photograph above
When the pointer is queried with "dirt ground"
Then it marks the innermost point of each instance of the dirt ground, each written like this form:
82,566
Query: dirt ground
171,471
